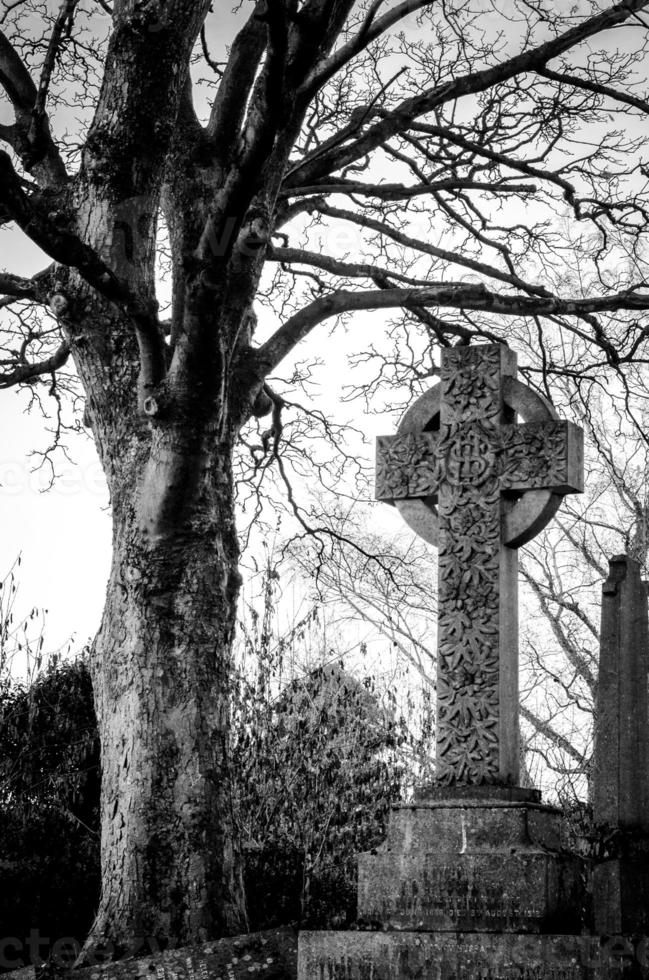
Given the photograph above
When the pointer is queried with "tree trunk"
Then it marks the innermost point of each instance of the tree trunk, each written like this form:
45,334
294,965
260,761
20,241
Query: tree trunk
161,660
161,672
165,417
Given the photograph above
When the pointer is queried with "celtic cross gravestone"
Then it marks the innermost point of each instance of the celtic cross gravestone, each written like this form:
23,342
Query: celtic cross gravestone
475,878
471,480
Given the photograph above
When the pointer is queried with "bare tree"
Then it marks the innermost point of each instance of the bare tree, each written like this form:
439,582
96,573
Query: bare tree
474,155
564,573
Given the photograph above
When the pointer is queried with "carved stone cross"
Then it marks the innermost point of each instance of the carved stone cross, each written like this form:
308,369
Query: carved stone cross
477,485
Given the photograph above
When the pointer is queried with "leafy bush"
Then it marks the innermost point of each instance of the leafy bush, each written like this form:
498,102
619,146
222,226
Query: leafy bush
315,771
49,810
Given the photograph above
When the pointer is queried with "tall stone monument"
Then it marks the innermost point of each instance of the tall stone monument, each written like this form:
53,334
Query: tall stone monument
620,778
472,881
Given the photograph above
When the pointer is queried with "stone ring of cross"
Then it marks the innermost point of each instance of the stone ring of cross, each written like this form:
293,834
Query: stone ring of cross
525,513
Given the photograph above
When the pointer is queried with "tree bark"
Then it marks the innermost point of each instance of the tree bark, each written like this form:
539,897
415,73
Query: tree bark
160,667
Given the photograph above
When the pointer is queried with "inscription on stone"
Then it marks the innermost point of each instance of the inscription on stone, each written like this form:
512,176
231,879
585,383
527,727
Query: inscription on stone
454,891
523,891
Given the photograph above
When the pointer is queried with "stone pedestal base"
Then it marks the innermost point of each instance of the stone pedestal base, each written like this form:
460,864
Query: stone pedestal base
473,885
467,956
472,865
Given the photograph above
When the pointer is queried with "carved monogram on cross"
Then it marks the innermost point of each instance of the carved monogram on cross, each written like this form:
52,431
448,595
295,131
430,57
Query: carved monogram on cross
476,484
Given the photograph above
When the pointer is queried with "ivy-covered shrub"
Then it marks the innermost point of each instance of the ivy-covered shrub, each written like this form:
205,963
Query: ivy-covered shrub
49,813
315,771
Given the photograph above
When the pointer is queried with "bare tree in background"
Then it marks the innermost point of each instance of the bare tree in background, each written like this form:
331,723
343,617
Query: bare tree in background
564,575
476,156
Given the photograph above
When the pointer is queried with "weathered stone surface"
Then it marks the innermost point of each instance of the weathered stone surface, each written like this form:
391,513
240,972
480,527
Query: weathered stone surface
620,785
457,469
533,456
474,794
472,956
472,866
467,826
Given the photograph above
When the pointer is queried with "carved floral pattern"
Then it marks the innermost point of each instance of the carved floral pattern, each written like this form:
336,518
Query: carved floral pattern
407,466
469,600
533,456
522,457
470,392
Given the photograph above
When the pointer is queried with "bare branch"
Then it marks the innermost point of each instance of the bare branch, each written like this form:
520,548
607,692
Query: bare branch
370,30
30,137
19,288
68,249
611,93
23,373
452,294
505,159
544,728
217,67
454,258
400,119
59,243
336,267
8,134
62,23
229,108
401,192
16,80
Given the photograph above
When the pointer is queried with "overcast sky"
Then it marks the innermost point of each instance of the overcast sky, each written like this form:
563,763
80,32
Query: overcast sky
63,534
